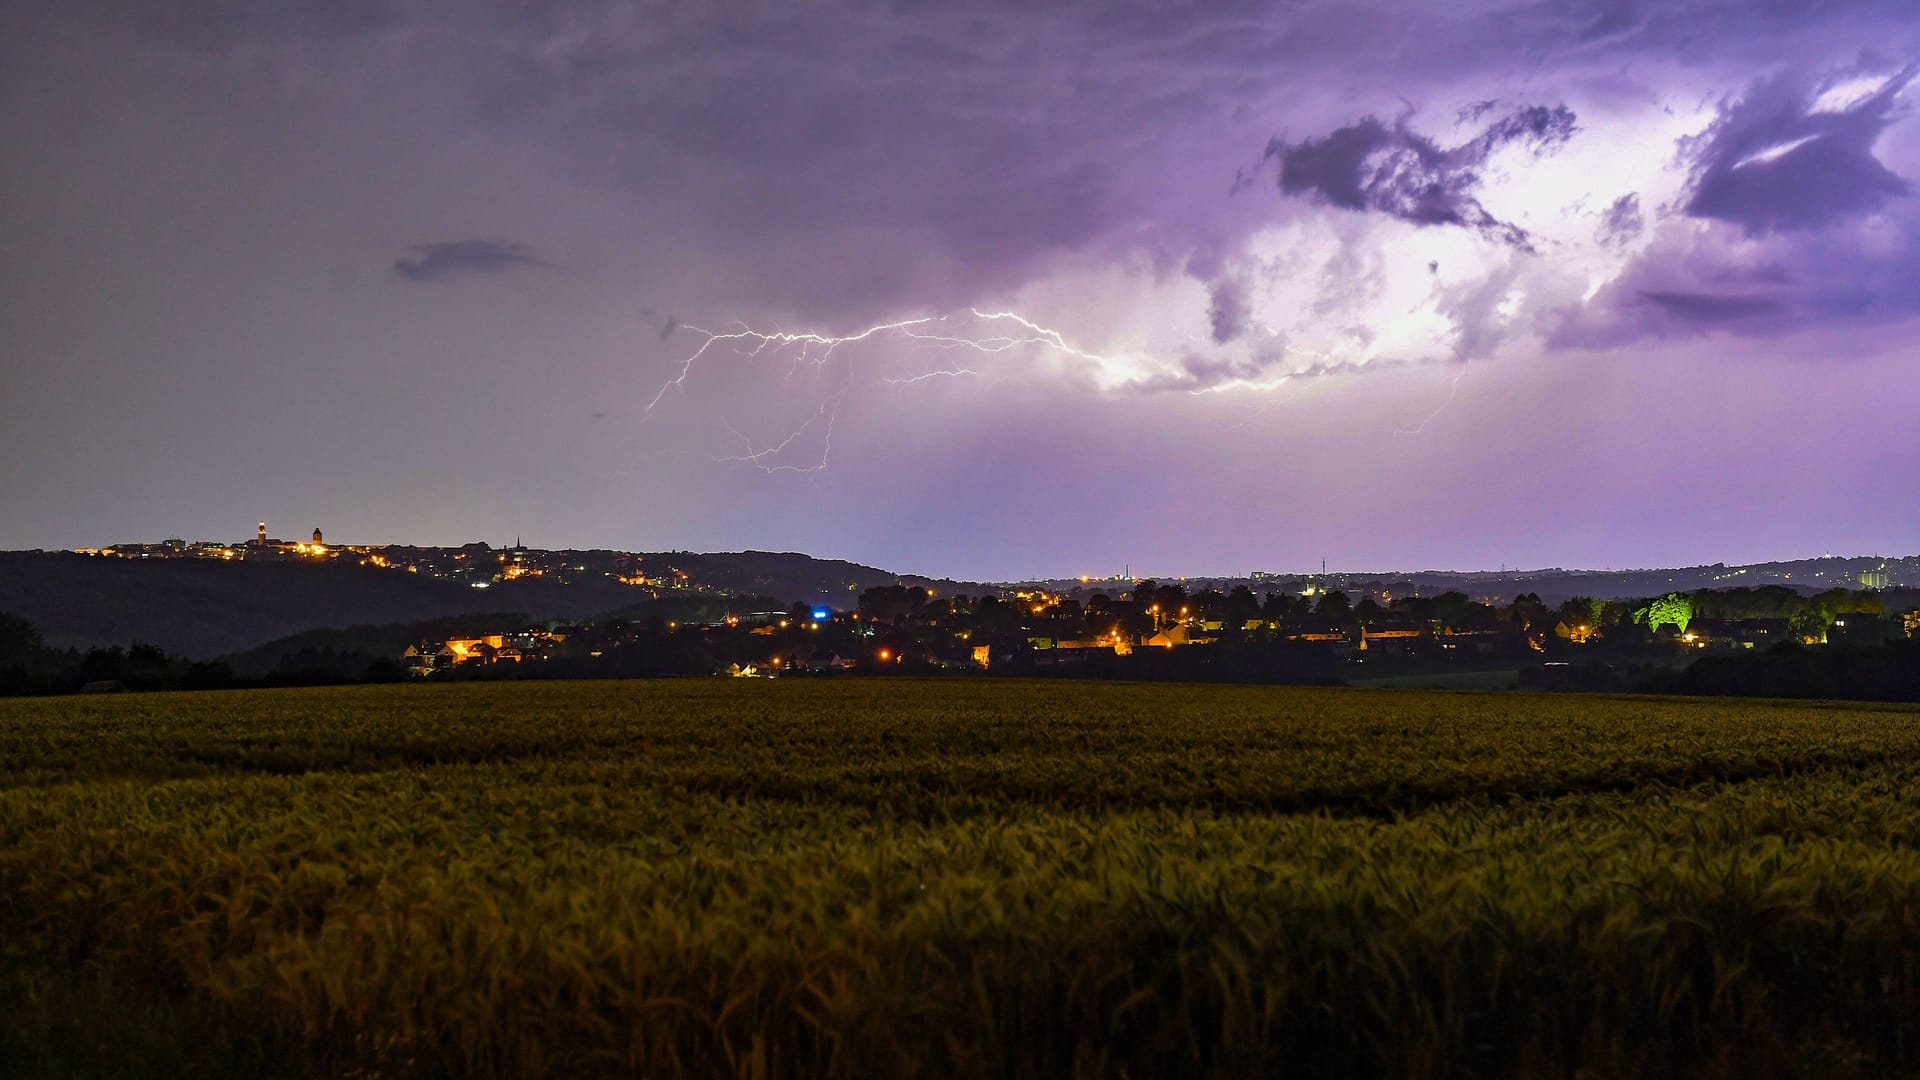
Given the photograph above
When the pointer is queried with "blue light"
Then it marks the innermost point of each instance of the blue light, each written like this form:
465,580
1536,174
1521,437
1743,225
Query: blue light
820,614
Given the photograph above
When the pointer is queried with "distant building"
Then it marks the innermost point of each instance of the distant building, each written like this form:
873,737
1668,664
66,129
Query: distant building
1857,628
263,546
1402,635
1168,638
1874,579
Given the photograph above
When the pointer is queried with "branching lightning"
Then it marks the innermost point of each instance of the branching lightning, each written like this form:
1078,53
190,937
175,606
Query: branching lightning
978,331
758,458
925,375
817,349
778,339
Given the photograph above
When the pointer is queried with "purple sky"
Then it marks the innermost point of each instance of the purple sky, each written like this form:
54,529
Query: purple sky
1403,285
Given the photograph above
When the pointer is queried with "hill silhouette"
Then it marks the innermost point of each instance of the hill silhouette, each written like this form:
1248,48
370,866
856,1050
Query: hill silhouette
205,608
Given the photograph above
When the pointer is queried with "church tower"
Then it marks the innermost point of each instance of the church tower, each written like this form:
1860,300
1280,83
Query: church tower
317,541
261,538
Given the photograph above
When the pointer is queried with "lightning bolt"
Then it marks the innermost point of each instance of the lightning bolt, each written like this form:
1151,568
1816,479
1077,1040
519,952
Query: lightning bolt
953,373
818,349
777,339
977,330
1453,388
1044,336
758,458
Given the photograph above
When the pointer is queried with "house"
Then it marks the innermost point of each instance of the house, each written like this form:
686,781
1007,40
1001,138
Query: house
1316,629
483,649
1168,638
426,657
1398,636
1857,628
1478,641
1578,633
1753,633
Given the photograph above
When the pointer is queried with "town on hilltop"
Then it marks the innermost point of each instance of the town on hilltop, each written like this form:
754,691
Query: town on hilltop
478,564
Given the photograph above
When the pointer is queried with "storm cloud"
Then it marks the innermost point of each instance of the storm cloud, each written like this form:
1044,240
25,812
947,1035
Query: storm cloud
1388,168
1792,154
1787,220
1623,222
1718,197
453,258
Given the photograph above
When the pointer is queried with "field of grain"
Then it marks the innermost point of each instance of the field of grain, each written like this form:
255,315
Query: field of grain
975,878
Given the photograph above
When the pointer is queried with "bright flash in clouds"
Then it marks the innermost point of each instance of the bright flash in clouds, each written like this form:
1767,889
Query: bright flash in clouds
1848,93
1336,294
1774,153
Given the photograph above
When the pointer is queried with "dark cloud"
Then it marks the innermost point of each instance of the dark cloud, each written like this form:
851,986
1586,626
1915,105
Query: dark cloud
1712,309
1690,283
1229,312
1393,170
1771,162
452,258
1477,111
1623,222
1614,19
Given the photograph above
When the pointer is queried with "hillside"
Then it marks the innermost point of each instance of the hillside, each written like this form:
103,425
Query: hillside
202,608
205,608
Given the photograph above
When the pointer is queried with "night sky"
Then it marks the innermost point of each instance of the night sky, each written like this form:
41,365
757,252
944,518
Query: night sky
1188,287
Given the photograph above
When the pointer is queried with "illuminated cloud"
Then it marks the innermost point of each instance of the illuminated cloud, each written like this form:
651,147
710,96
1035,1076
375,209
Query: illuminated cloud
1436,262
1788,221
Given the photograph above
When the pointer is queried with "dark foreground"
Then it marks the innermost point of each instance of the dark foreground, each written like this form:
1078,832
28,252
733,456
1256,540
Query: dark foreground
860,878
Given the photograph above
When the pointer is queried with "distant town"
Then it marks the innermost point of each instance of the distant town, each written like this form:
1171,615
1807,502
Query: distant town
480,565
477,564
759,614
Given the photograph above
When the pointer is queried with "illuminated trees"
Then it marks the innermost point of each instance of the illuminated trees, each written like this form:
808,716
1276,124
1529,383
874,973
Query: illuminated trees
1673,609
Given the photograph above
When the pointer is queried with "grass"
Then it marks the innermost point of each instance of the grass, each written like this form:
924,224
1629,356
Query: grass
1502,679
981,878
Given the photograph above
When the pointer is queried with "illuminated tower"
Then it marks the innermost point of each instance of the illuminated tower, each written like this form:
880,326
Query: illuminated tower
262,537
317,542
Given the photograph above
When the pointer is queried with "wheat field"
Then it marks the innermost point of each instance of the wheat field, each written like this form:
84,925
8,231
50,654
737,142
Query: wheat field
955,878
